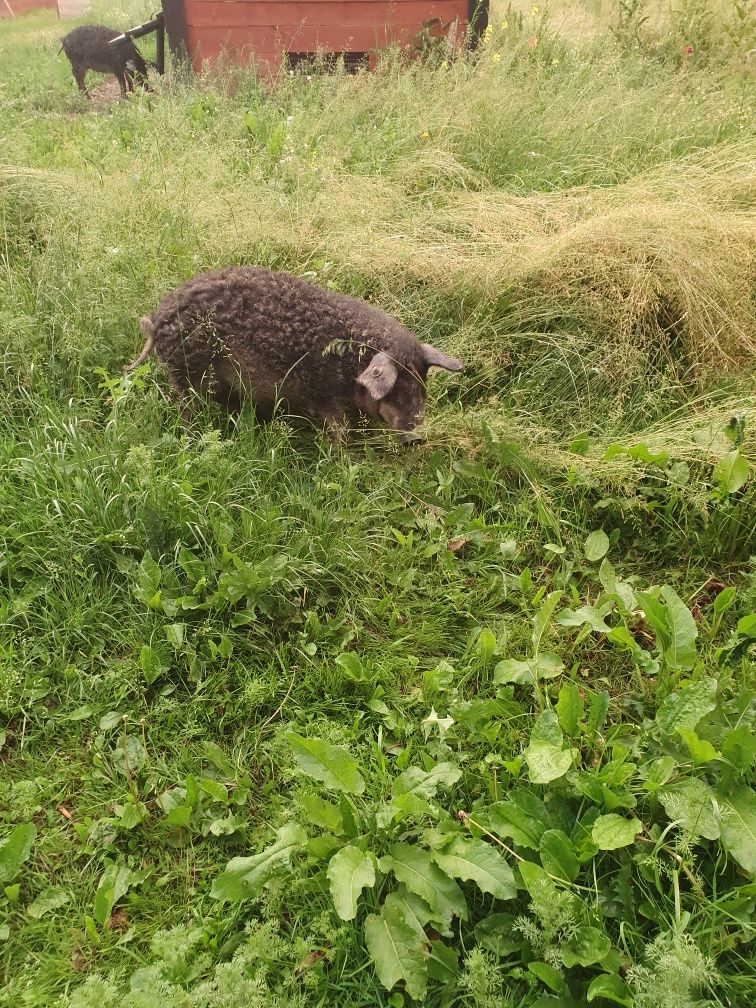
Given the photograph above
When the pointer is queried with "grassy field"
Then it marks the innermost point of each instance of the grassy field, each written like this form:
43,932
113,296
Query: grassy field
466,724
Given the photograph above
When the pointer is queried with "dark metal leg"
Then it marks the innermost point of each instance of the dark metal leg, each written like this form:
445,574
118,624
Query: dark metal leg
160,50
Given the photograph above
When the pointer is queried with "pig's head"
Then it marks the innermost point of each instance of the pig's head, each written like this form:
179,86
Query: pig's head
393,393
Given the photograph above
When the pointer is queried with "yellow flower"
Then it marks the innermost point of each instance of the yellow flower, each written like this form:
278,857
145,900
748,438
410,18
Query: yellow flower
425,135
533,10
496,57
555,62
504,25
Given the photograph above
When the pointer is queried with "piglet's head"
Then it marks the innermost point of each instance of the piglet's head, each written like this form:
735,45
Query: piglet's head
396,392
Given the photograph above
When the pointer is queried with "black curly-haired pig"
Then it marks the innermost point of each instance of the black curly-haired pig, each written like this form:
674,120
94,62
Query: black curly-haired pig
88,48
249,332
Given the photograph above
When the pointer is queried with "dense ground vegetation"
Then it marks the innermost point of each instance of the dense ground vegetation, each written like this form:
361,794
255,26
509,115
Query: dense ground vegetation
466,724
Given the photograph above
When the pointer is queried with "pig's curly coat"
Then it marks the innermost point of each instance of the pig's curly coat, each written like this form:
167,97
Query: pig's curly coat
249,331
88,48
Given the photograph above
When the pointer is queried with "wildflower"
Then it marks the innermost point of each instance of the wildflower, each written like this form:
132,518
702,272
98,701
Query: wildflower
532,42
496,57
534,10
425,135
555,62
504,25
687,50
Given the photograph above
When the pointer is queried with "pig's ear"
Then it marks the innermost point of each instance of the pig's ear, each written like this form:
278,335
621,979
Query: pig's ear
434,358
379,376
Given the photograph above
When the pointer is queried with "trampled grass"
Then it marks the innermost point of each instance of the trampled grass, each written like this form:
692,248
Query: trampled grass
542,616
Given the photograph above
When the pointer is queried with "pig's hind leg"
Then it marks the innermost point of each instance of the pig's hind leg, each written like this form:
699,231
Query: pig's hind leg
123,82
80,72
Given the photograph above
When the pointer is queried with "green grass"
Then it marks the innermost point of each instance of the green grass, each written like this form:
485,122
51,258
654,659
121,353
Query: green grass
576,220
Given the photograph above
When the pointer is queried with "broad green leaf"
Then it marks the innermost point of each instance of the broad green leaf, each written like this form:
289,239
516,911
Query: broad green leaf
110,720
747,625
739,747
133,813
546,665
397,951
724,600
214,789
658,772
548,975
588,616
409,905
558,855
245,877
685,707
478,861
129,755
179,816
690,802
351,663
174,633
596,545
738,825
402,807
597,712
523,817
579,444
48,899
547,762
610,832
731,472
327,763
115,882
219,759
486,644
546,729
321,812
546,758
323,846
612,987
151,664
498,934
701,750
434,722
15,849
535,879
542,619
191,565
350,871
656,617
148,577
443,963
425,784
569,708
613,586
413,866
586,946
681,653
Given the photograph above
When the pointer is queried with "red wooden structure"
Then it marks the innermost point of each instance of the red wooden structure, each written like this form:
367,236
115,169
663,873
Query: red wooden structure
282,33
14,8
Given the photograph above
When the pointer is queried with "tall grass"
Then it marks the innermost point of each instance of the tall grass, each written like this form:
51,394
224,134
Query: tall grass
576,219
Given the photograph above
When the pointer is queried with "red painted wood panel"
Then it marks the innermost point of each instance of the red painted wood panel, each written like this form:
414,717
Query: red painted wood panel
269,29
323,12
25,6
293,39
